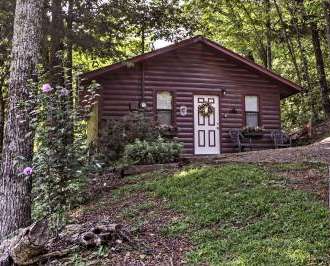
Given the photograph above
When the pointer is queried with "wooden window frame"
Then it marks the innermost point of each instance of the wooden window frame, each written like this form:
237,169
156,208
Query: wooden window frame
252,112
172,93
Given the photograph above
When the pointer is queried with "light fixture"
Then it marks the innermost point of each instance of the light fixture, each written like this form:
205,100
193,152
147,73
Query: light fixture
224,92
143,105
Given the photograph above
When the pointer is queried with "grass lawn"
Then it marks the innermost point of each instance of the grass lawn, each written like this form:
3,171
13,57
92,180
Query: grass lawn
243,215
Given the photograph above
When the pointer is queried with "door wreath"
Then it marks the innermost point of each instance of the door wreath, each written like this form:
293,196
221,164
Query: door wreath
205,109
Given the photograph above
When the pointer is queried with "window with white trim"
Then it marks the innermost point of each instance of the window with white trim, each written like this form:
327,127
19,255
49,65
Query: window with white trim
251,111
164,108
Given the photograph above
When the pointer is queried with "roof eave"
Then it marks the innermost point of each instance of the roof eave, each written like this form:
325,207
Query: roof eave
262,70
93,74
294,88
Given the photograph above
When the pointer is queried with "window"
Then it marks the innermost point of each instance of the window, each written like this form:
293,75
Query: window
164,108
251,111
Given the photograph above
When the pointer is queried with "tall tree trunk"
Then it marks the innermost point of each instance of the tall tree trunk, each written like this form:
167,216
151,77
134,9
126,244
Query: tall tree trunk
57,45
262,50
69,69
298,19
2,113
288,41
268,34
143,38
45,45
15,190
302,51
324,89
326,6
57,79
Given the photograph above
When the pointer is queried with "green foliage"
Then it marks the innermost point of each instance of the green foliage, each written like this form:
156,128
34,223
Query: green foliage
77,260
103,251
176,228
243,215
115,30
150,152
117,134
147,139
61,164
242,26
7,8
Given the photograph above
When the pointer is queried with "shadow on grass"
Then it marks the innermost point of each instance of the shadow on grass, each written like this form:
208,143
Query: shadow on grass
241,214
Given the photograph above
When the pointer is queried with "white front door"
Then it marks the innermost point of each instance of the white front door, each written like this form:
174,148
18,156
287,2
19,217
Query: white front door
206,127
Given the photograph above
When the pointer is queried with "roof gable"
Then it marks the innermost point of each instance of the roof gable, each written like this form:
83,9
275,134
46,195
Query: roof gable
290,86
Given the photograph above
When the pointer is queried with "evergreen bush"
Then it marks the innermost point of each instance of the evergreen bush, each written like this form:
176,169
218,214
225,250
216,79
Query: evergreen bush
150,152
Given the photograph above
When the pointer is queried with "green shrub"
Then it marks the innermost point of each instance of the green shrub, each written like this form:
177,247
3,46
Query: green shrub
117,134
149,152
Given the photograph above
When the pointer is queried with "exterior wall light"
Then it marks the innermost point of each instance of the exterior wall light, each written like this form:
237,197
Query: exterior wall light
143,105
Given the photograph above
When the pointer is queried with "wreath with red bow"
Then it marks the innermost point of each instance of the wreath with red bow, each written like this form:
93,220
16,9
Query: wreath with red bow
205,109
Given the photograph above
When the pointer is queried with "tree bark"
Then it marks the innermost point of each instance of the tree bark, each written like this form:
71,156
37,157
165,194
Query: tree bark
45,44
15,190
31,245
69,70
288,41
57,45
268,34
2,112
262,50
326,6
298,18
27,246
324,89
302,51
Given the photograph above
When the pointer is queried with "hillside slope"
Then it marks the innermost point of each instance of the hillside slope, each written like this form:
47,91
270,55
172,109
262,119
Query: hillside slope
232,214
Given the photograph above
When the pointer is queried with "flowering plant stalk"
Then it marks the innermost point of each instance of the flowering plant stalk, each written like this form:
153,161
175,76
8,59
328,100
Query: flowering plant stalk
60,163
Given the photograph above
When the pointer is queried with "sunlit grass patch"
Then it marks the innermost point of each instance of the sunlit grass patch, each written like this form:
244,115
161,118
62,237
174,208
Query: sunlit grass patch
239,215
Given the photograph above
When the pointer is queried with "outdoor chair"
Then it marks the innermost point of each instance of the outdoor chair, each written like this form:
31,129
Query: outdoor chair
281,139
240,141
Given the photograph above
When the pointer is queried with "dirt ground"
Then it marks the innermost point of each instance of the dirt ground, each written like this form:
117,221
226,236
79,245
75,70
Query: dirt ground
315,153
309,177
143,215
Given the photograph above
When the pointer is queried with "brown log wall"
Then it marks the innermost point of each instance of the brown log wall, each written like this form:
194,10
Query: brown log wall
194,70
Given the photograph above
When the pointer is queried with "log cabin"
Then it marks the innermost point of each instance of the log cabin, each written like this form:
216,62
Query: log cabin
196,86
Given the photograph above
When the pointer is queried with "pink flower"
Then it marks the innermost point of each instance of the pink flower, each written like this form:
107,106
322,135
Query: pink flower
27,171
64,92
46,88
